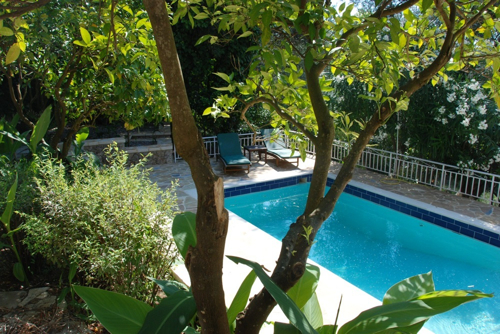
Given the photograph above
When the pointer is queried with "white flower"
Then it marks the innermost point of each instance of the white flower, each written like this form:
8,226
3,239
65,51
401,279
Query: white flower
466,122
444,120
483,125
462,109
452,116
398,126
451,97
442,110
497,157
386,37
407,144
474,85
482,109
479,96
473,139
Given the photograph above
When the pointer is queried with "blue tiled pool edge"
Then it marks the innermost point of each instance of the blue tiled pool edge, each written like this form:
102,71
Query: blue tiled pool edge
454,225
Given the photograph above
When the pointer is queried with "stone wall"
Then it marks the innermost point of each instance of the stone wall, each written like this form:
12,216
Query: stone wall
161,153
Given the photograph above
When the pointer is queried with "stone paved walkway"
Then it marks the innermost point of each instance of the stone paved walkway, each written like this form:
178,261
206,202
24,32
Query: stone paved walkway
260,171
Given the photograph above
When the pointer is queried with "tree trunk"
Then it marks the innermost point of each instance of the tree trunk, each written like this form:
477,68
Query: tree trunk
204,262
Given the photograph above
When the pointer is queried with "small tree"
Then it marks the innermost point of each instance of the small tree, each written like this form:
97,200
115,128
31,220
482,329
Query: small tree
103,65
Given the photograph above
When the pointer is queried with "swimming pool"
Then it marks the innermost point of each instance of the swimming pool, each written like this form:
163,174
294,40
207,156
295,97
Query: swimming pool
374,247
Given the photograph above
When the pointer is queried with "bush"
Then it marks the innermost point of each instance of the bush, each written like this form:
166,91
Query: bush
111,222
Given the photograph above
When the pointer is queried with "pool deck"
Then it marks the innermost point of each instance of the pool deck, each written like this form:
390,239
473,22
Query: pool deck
331,287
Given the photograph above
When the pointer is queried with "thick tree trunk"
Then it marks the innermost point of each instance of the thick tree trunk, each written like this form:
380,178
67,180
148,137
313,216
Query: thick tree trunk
204,262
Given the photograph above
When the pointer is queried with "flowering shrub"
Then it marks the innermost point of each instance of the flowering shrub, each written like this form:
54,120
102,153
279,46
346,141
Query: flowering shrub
458,124
454,122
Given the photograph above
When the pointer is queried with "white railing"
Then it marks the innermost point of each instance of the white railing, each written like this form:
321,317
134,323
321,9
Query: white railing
213,148
463,181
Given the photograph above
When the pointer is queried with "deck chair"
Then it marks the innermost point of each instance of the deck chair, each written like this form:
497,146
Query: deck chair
230,152
276,147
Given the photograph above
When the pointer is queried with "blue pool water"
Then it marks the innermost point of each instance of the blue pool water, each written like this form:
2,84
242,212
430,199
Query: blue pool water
374,247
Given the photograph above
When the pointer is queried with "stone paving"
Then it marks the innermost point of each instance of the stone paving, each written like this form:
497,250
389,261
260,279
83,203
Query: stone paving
260,171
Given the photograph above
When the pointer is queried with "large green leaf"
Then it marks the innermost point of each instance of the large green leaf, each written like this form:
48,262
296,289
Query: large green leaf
184,231
18,271
289,308
118,313
240,299
312,311
327,329
7,213
170,287
409,289
409,313
306,286
282,328
171,315
40,129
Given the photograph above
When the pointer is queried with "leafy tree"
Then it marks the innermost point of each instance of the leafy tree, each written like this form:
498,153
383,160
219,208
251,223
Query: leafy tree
87,61
288,75
198,70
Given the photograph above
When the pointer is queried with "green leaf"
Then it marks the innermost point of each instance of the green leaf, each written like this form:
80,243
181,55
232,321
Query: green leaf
82,135
312,311
11,196
4,31
18,271
266,35
207,111
246,34
72,271
13,53
306,286
110,75
223,76
202,39
286,304
309,60
240,299
410,313
201,16
184,231
409,289
80,43
170,287
327,329
40,129
282,328
118,313
85,35
426,4
171,315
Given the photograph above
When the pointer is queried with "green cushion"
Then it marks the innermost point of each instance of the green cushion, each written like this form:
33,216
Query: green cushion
232,160
285,153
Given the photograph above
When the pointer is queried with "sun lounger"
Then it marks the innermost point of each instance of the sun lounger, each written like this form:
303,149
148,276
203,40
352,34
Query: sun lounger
276,147
230,152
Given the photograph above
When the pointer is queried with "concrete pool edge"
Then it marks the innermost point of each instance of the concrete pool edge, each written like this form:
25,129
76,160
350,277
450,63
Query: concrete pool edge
457,223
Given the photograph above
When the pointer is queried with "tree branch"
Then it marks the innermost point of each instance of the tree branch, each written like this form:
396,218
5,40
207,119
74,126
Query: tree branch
24,7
